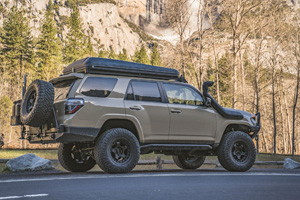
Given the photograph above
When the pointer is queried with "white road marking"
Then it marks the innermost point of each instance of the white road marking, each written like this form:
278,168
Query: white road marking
144,175
24,196
36,195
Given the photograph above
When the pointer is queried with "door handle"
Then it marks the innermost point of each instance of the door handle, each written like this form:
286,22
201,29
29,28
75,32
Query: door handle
175,111
135,108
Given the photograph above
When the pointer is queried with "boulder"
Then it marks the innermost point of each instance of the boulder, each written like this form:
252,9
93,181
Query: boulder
28,162
291,164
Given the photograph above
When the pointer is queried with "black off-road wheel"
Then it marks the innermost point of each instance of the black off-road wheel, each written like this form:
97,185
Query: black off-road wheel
37,103
72,158
188,162
236,151
117,151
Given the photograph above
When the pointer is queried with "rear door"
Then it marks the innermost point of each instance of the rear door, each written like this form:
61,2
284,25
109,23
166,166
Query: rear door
144,104
61,93
190,120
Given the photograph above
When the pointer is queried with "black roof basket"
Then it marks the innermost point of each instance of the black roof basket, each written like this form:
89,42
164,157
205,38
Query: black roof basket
93,65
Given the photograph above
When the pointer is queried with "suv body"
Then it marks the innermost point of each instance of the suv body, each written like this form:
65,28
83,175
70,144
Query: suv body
166,115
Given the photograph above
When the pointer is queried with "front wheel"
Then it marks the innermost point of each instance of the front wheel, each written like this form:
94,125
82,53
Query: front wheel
237,151
188,162
74,159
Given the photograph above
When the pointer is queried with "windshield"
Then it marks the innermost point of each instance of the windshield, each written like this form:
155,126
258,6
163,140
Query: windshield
61,89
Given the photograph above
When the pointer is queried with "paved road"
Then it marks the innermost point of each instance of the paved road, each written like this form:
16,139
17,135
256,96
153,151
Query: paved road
202,184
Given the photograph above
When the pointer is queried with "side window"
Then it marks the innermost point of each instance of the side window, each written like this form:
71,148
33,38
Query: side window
129,95
181,94
143,91
98,86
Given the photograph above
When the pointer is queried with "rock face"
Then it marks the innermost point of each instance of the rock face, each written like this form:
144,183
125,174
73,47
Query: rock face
29,162
291,164
150,15
101,21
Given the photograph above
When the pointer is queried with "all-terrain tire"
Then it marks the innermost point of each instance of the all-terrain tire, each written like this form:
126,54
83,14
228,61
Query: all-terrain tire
117,151
68,162
37,103
188,162
236,151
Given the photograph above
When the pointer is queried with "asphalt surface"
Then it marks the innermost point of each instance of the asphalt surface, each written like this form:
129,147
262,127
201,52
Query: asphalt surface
177,184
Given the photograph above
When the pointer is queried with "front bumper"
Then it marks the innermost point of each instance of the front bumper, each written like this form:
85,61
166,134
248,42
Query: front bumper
255,129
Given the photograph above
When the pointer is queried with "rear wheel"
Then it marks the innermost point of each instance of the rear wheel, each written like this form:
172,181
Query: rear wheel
237,151
117,151
188,162
74,159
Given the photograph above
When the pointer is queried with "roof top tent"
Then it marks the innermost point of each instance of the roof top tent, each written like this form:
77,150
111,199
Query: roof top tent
93,65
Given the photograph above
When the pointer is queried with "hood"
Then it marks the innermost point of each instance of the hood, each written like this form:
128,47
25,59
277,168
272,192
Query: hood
244,113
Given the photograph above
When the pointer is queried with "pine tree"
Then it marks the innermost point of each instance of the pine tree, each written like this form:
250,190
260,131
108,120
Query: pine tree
17,44
211,76
89,47
226,73
103,54
123,55
49,46
75,46
155,56
141,56
112,54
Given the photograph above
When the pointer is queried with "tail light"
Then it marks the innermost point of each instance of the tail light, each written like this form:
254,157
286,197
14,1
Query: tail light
73,105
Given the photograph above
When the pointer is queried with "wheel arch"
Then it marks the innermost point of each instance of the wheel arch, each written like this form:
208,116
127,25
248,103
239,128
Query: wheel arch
119,123
236,127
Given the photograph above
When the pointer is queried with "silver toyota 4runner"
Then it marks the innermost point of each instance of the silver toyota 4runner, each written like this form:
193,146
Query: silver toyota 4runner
109,112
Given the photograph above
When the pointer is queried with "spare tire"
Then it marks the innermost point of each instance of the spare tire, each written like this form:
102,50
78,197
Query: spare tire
37,103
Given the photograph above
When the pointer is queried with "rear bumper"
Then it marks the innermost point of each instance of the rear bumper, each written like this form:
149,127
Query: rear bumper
255,129
76,134
63,135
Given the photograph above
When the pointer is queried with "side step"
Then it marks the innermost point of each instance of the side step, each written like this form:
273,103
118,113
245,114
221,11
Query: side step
175,147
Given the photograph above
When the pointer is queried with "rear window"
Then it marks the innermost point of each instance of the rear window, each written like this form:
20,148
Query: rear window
61,89
98,86
143,91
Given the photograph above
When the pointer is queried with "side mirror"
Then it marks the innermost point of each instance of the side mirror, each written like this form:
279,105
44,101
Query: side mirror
208,102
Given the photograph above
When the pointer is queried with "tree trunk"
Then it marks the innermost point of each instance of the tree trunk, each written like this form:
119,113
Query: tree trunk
282,126
234,81
294,109
181,53
243,80
274,111
261,133
289,139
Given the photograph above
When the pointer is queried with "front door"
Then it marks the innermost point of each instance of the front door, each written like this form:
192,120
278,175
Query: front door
143,104
190,120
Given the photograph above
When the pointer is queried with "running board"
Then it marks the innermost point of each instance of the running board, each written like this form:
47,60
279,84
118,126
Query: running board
172,147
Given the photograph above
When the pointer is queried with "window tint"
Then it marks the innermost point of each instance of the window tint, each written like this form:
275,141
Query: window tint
180,94
146,91
129,93
62,89
98,86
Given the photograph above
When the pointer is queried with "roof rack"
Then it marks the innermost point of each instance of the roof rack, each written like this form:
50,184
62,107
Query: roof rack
94,65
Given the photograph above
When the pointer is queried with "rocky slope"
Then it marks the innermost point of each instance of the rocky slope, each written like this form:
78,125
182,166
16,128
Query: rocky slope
102,21
105,21
150,15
